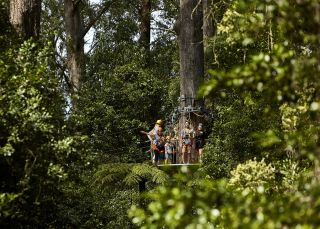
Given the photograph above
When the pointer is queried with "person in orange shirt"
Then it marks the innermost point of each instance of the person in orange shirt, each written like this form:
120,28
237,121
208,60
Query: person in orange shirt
158,146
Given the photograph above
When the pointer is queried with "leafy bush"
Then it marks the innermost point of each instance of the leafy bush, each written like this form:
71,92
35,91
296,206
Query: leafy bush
254,175
216,204
233,138
34,145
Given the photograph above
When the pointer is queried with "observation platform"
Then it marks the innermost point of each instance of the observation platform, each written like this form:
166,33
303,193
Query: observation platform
174,165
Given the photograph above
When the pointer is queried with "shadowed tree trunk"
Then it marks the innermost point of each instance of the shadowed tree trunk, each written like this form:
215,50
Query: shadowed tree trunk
145,17
76,31
75,43
191,58
25,17
145,29
191,51
190,48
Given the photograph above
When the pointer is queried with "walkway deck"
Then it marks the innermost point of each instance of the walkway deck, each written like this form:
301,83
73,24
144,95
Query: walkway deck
173,165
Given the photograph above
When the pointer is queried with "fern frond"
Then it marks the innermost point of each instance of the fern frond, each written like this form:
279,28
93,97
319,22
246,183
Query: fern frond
127,174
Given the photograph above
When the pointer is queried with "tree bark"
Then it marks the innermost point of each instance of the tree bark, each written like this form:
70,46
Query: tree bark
191,50
25,17
145,24
76,32
75,43
191,58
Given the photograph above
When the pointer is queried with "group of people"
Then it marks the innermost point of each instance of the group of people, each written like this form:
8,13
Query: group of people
164,148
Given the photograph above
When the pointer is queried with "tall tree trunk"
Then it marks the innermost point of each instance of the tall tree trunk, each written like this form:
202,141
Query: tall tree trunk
145,29
191,58
75,43
25,17
191,50
145,24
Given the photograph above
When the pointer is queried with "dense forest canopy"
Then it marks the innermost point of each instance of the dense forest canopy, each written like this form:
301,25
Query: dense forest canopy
73,110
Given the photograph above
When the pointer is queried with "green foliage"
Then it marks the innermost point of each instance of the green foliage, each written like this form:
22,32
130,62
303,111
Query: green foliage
109,193
113,113
254,175
128,175
33,141
86,205
84,169
266,55
263,86
6,32
232,140
214,204
5,200
283,72
126,92
177,205
217,163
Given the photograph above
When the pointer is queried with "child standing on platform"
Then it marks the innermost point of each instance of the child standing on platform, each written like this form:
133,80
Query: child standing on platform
169,150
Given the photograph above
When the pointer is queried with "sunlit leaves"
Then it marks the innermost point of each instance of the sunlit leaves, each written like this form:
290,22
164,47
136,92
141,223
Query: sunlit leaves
33,147
251,199
253,175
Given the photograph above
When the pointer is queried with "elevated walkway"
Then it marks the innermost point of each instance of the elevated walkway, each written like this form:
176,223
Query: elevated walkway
179,165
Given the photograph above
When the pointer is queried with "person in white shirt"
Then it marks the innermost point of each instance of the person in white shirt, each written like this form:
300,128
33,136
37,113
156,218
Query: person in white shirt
187,136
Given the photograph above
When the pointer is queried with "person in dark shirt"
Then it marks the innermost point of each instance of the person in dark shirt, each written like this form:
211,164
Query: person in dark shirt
200,141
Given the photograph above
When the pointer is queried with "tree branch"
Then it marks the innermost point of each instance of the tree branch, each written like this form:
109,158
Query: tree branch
92,47
94,20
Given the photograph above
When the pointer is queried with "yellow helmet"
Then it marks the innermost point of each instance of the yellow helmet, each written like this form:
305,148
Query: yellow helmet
159,122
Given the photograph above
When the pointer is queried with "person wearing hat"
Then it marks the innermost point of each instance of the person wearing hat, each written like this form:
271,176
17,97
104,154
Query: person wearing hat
151,135
158,146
